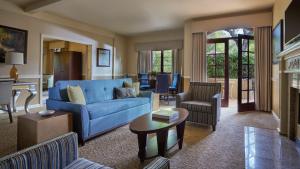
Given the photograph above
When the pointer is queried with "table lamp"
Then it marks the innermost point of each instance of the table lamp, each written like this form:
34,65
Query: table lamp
14,58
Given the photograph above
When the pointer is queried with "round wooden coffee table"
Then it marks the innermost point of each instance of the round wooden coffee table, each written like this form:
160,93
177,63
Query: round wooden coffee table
165,138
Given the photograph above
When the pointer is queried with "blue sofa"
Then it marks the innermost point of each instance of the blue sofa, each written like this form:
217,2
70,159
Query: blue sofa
102,112
60,153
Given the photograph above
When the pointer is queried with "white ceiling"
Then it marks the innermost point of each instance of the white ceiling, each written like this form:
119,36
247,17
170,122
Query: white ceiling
129,17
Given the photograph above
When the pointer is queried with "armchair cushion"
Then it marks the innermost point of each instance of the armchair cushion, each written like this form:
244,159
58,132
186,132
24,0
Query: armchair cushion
197,106
159,163
197,103
82,163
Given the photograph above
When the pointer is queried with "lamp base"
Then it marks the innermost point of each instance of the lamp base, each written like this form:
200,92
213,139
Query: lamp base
14,73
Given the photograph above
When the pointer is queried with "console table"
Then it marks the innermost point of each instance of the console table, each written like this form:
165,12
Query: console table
17,88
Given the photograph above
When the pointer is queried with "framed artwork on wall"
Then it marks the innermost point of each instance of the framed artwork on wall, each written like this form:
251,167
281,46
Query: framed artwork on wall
277,41
103,57
12,40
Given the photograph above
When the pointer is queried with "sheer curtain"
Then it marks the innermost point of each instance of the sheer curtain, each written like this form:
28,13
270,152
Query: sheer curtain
144,61
263,68
199,66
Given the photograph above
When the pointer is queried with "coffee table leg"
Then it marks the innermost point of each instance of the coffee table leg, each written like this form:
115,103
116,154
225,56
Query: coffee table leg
142,139
180,133
162,142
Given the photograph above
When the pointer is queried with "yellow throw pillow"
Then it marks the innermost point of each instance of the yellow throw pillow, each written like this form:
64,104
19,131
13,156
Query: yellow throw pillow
76,95
135,85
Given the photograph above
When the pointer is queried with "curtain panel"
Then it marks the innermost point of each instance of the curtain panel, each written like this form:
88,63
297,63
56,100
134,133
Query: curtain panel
144,61
263,68
177,61
199,65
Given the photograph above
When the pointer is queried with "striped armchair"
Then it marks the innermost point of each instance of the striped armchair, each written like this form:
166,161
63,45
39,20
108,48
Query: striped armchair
60,153
203,101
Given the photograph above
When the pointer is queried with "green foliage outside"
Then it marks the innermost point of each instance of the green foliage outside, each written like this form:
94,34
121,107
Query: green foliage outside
167,58
216,66
156,56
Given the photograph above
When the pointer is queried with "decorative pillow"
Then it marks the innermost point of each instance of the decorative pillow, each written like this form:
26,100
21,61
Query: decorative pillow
76,95
122,93
135,85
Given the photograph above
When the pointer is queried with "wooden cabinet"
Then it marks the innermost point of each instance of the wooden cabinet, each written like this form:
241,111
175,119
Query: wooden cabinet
67,65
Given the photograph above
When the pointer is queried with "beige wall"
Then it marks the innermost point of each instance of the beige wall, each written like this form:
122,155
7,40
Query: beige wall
148,37
12,16
278,14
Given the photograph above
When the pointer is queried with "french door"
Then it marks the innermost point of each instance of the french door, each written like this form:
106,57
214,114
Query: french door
246,80
217,66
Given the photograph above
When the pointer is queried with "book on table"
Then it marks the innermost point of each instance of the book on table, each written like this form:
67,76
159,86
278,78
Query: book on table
166,115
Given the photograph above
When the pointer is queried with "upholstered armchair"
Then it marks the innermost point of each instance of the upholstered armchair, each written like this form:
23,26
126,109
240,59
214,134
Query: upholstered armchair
203,101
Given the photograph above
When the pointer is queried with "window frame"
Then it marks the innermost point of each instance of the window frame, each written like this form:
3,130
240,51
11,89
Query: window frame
162,60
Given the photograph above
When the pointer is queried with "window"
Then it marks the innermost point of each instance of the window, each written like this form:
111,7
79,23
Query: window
162,61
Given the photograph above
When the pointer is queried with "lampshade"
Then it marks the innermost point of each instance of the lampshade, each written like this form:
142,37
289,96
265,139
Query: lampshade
14,58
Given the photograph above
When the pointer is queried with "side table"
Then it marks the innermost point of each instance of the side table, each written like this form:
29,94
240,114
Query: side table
34,128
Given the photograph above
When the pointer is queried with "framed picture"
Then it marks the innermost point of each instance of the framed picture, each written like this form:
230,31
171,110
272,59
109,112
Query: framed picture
277,41
103,57
12,40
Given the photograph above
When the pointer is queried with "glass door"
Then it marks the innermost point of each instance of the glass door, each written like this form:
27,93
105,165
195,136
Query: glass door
217,66
246,80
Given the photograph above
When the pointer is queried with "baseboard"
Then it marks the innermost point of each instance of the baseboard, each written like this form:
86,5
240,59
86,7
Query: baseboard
278,119
275,115
20,108
298,144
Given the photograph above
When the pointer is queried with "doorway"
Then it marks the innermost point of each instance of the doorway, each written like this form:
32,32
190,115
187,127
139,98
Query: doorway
217,63
223,65
63,60
246,81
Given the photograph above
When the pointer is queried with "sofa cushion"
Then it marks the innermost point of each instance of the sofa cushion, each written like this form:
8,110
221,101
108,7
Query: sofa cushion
82,163
196,106
104,108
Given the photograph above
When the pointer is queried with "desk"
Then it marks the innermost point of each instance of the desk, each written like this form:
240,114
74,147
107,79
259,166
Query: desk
17,88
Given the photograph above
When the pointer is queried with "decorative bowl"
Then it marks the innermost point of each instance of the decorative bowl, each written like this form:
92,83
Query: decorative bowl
46,112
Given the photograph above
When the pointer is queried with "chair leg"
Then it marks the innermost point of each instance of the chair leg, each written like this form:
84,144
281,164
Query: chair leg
214,127
168,98
9,113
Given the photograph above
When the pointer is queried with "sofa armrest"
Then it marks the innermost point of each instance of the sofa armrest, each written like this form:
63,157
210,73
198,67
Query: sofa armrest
181,97
79,112
55,153
148,94
216,106
159,163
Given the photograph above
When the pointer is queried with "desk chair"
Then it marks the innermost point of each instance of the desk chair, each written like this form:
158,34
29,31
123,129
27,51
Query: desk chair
162,85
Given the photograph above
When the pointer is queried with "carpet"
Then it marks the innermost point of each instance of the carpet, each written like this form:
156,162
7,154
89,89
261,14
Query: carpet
202,148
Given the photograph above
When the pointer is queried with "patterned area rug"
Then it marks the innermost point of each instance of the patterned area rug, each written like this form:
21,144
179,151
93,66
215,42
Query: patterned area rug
202,148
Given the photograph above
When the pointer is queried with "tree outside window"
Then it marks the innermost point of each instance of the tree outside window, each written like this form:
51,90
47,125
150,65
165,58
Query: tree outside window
162,61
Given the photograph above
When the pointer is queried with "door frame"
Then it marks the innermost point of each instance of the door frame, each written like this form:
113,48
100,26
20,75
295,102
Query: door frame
225,101
89,59
243,106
